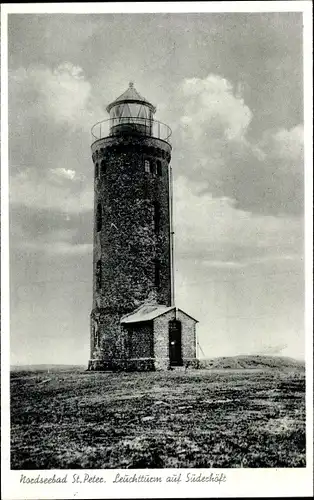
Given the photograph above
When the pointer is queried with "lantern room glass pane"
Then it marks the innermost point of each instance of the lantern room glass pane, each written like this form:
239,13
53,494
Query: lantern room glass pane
130,110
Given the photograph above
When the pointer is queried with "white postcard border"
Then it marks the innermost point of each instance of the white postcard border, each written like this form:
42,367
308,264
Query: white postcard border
239,482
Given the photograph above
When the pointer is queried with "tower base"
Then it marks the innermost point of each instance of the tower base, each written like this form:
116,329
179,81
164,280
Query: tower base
128,365
138,364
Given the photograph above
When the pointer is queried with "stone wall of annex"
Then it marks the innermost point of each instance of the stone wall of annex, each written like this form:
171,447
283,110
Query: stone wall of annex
140,340
161,338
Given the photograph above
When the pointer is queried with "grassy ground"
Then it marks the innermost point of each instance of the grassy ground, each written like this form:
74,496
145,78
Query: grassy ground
198,418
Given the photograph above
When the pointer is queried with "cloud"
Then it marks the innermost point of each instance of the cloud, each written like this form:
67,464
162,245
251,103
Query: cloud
52,110
251,261
50,232
222,264
61,94
213,229
214,147
57,248
63,172
34,228
285,144
51,113
212,110
29,190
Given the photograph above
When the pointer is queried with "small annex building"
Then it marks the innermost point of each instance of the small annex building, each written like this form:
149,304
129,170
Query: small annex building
159,337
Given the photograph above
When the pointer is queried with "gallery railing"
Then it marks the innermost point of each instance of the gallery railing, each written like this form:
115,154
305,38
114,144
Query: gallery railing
131,125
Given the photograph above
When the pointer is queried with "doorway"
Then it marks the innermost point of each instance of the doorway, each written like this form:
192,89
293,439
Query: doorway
175,343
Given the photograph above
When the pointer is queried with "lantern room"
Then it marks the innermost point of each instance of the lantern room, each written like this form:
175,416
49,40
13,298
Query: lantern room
131,113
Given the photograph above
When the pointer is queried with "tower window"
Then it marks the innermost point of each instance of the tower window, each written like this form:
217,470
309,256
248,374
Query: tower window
152,167
157,272
98,274
98,218
159,169
103,167
96,170
156,217
147,166
96,334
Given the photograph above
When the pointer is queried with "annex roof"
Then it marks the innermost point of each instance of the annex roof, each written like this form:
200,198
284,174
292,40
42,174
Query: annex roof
148,312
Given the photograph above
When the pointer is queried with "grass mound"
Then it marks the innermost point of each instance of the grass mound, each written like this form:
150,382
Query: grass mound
252,362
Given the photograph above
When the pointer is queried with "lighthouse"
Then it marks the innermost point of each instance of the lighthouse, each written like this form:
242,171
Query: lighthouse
134,322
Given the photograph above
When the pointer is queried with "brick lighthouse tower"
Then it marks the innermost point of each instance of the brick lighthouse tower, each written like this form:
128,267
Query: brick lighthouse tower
134,322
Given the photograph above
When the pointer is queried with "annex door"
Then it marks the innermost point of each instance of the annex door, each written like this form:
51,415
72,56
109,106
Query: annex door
175,341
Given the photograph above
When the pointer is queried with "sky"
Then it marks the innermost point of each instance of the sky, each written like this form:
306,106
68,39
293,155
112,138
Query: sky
230,86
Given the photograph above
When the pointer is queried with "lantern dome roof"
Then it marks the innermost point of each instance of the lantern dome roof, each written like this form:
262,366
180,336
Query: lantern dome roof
131,95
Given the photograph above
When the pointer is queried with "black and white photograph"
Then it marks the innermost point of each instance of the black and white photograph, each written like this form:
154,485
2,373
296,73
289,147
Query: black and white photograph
155,229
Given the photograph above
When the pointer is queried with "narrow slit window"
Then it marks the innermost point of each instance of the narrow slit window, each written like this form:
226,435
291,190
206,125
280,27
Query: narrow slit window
96,334
147,166
156,217
98,218
96,170
103,167
157,272
98,275
159,168
152,167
